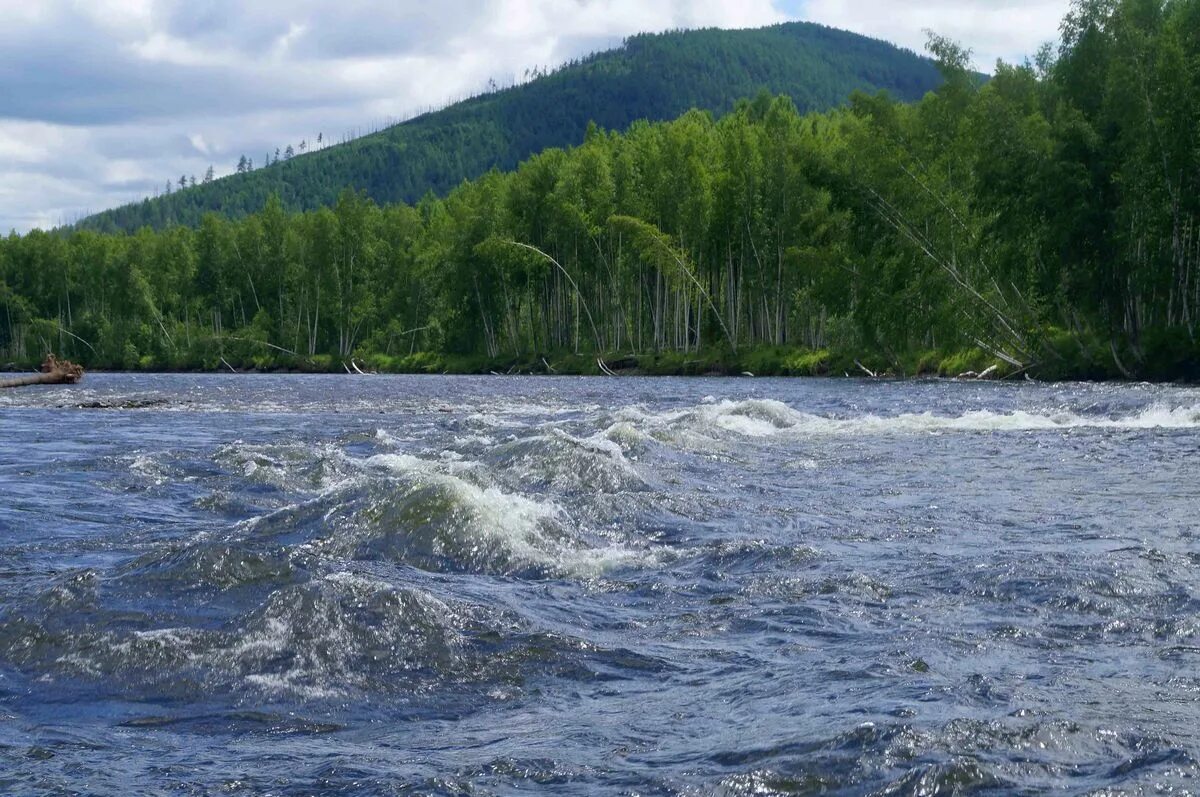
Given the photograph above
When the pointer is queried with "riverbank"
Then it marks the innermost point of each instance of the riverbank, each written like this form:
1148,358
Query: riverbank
761,361
1067,359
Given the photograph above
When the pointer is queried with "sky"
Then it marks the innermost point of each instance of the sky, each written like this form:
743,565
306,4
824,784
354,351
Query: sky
103,101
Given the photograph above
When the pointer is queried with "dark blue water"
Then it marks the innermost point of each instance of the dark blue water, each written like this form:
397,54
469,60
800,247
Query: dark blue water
331,585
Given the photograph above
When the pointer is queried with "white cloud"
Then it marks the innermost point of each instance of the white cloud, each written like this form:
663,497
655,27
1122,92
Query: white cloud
1007,29
25,142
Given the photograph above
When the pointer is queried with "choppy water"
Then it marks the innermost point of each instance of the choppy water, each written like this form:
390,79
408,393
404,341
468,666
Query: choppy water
325,585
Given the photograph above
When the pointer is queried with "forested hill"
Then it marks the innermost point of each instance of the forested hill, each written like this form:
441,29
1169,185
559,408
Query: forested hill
653,77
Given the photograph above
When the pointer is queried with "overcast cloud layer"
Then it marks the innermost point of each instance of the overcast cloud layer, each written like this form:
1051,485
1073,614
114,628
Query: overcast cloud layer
105,100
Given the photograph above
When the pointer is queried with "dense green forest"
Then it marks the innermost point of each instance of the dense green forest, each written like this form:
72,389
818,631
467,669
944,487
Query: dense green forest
1044,220
655,77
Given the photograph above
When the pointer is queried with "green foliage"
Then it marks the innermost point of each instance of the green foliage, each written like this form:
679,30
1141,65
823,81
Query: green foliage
1024,223
810,363
963,362
653,76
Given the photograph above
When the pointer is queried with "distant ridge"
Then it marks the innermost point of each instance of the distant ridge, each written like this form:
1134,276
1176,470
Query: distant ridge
652,76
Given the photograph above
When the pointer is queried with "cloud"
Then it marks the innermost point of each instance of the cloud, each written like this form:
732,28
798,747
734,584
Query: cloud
199,143
106,100
1005,29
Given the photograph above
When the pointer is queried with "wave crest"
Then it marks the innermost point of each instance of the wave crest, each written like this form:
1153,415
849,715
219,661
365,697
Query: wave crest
440,521
763,418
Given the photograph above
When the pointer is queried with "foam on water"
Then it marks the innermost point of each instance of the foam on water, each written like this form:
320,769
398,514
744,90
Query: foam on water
566,463
763,418
150,467
449,514
441,520
288,466
626,435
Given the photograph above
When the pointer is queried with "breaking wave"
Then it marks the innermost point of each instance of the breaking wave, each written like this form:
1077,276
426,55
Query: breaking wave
567,463
436,520
761,418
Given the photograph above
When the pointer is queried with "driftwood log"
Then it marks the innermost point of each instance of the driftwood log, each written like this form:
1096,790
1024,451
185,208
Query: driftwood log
54,372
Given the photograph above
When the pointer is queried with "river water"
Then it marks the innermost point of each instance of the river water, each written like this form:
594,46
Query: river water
434,585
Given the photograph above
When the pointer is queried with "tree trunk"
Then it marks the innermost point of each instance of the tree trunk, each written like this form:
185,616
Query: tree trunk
54,372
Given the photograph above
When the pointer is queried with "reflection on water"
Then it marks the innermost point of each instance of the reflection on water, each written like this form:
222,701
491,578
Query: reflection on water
297,585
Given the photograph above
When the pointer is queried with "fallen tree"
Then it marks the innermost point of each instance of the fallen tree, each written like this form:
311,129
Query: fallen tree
54,372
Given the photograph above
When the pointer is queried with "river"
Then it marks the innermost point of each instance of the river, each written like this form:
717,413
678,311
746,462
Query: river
296,585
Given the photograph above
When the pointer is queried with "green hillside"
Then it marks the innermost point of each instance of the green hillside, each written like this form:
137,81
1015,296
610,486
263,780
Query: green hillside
654,77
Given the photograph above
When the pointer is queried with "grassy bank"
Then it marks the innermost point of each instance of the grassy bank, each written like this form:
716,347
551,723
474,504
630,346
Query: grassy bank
1064,358
1061,356
762,361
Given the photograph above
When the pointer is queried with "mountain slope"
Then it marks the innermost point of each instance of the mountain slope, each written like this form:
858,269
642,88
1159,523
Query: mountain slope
653,76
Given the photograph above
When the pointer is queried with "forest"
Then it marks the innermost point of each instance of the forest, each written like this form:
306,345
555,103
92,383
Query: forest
1041,222
655,77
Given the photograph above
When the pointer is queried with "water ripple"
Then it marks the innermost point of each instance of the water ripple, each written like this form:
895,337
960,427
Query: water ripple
421,585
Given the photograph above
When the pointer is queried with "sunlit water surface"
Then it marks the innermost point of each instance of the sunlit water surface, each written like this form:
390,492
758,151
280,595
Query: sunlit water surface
332,585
